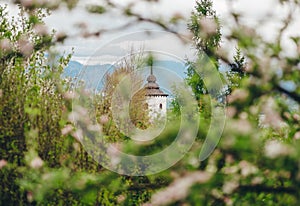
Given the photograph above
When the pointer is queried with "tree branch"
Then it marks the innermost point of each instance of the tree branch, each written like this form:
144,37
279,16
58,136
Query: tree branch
263,188
292,95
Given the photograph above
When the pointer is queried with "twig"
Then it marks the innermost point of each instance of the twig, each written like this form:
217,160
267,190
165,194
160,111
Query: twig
263,188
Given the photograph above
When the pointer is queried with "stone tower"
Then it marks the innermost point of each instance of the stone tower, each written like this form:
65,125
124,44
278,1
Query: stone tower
156,100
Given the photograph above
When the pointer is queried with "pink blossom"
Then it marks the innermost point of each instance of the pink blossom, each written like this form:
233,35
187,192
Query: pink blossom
257,180
270,116
297,135
67,129
70,95
104,119
41,29
29,196
36,163
113,151
296,117
78,135
247,168
27,3
26,47
238,95
230,111
5,45
208,25
230,186
179,188
120,198
3,163
274,149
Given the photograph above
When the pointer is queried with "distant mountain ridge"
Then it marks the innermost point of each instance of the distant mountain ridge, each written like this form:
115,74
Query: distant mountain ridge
93,75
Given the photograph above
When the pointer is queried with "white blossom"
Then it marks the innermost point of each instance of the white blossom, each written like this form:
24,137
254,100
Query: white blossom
247,168
275,149
257,180
270,116
36,163
230,186
94,128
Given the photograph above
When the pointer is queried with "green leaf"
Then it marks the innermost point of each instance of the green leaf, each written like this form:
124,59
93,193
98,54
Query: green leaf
96,9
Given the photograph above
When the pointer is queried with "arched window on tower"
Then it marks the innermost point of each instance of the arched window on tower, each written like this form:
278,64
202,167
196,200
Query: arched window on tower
160,106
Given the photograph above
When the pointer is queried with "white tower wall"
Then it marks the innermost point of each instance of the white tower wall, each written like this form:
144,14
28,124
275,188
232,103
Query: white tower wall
157,106
156,98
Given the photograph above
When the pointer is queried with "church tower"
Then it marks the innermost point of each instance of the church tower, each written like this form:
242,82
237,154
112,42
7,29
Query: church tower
156,100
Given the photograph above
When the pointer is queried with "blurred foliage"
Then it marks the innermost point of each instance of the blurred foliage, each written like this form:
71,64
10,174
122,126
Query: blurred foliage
124,75
256,162
41,161
206,30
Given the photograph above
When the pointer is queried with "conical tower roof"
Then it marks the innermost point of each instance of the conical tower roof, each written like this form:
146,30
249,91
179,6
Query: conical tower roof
152,88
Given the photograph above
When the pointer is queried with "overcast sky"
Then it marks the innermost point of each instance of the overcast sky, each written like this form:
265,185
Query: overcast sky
253,12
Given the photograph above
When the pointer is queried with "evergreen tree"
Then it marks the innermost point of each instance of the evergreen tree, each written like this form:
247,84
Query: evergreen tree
205,27
204,24
236,72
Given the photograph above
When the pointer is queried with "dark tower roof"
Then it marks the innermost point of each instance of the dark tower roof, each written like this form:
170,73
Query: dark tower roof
152,88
